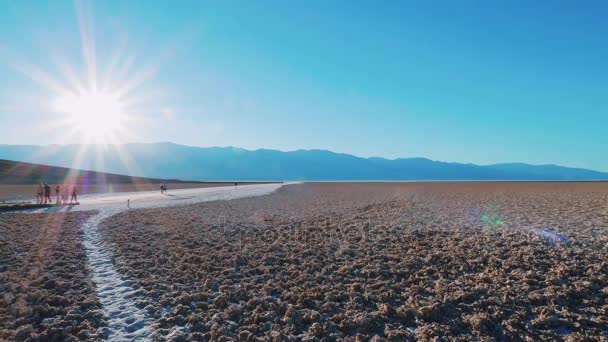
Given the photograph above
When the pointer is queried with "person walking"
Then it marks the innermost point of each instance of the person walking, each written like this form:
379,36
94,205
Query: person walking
40,194
47,194
74,197
58,193
64,194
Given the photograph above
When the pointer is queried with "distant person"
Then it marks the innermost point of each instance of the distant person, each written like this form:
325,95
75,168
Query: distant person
235,184
47,194
162,188
165,188
64,194
58,193
40,194
74,198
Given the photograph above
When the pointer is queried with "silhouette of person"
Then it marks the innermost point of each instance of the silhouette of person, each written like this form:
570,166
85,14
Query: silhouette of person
47,194
74,197
40,194
64,194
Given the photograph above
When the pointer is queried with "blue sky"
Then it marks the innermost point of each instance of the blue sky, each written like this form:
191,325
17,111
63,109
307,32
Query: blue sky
466,81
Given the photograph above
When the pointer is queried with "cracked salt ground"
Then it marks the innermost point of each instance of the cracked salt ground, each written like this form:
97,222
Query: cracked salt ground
126,321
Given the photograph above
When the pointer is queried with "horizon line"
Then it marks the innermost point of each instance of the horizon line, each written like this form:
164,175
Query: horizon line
305,150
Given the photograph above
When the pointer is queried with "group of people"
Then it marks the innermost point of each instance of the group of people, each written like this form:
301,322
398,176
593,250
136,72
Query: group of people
43,196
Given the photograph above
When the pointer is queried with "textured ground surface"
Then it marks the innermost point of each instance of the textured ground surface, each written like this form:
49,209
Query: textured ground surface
64,254
45,288
360,261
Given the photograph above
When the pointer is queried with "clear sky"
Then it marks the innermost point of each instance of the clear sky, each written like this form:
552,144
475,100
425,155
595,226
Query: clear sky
464,81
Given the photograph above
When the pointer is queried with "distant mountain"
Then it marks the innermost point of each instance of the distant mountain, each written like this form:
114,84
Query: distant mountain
549,171
12,172
167,160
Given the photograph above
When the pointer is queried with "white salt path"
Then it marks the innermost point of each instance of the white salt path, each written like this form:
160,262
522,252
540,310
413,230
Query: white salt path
153,199
127,322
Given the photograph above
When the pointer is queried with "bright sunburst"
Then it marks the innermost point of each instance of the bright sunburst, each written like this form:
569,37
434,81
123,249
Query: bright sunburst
93,102
97,116
96,101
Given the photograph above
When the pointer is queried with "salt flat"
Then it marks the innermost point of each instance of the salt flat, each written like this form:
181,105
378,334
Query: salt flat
403,261
120,302
153,199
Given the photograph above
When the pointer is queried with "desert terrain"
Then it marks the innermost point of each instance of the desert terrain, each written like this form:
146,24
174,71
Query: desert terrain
19,181
327,262
22,192
46,292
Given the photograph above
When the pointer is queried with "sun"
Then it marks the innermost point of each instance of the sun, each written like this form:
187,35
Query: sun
97,116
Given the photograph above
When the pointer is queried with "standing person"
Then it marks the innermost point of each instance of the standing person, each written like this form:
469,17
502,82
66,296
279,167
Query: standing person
165,188
235,184
162,188
58,193
47,194
40,194
64,194
74,195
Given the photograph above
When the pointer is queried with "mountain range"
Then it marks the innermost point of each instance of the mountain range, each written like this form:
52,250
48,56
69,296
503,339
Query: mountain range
168,160
12,172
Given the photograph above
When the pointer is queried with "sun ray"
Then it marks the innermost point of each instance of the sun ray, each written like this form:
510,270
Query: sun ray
127,161
85,24
40,76
141,76
124,68
118,53
68,71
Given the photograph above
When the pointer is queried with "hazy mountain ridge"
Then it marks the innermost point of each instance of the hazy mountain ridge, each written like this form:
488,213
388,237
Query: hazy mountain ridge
168,160
12,172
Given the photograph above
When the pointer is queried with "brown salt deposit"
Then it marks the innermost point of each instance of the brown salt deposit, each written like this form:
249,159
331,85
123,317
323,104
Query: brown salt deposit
45,288
359,261
328,261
